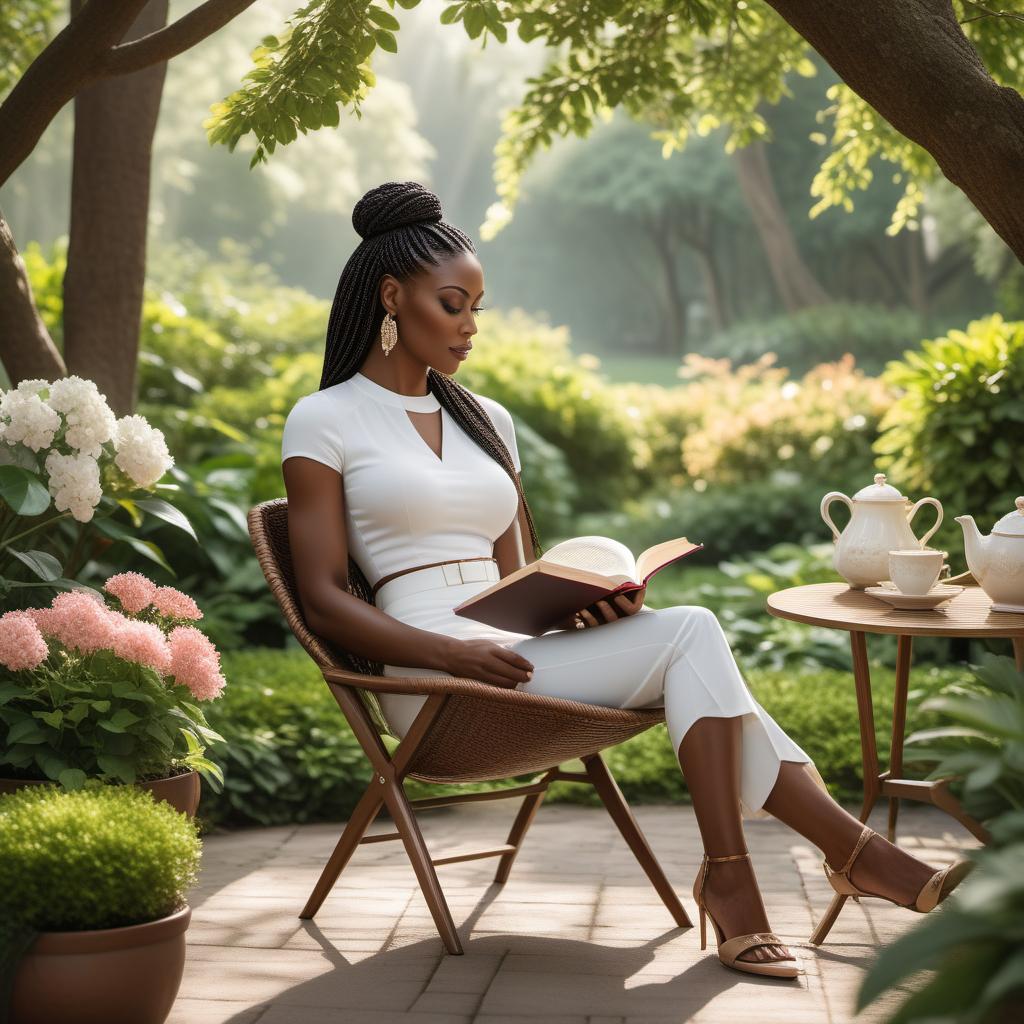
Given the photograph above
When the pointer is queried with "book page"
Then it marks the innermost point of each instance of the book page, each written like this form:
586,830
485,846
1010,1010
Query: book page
596,554
661,554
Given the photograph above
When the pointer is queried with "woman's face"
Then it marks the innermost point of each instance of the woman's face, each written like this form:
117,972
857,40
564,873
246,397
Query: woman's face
436,310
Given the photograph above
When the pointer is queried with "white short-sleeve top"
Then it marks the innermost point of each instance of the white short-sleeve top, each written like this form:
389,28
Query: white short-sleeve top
404,506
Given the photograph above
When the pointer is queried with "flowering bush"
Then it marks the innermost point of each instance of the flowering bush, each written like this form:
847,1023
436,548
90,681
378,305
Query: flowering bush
62,444
91,689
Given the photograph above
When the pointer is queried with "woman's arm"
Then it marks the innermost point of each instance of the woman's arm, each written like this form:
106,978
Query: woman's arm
514,548
319,548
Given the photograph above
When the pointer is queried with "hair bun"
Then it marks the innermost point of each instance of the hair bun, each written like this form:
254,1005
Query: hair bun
395,204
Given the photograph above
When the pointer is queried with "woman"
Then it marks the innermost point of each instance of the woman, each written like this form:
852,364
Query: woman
416,479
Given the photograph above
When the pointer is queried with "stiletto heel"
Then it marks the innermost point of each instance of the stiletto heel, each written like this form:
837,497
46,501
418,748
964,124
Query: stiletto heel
729,950
931,894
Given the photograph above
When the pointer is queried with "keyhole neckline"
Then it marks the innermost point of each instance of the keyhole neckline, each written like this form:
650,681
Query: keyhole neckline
411,403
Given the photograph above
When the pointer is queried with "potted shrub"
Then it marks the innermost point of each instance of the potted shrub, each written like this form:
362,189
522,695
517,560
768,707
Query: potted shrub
108,691
92,909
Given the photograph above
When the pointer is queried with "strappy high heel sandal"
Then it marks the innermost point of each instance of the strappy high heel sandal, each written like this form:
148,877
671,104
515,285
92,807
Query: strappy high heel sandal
729,950
932,893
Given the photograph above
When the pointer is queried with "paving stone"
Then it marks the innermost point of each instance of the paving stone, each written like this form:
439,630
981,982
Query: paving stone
576,936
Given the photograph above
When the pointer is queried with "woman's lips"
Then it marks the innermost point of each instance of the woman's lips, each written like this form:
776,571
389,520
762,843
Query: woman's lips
462,353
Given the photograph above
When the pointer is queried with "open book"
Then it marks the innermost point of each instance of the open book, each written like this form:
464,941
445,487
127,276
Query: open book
543,595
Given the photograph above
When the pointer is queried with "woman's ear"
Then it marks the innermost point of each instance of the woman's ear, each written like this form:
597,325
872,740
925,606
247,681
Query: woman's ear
390,289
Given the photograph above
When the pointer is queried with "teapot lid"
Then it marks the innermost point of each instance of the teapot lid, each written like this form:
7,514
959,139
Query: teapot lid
1012,524
879,491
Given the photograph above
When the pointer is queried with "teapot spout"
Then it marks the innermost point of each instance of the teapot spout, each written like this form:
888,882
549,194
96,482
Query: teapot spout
974,544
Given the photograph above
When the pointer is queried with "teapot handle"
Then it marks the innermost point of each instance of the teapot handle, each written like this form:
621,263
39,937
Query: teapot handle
826,501
938,517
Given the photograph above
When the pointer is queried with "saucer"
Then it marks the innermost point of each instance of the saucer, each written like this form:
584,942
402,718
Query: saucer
939,594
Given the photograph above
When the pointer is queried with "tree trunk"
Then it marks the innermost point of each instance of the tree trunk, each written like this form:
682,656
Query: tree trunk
26,348
796,285
912,62
674,335
115,120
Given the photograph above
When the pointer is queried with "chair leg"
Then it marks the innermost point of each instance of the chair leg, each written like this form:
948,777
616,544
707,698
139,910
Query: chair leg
419,855
610,794
527,811
362,818
825,924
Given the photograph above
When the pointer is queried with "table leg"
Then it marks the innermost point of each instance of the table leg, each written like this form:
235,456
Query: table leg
899,722
865,712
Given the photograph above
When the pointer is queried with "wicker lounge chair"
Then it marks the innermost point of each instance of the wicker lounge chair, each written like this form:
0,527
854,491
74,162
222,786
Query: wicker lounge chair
468,731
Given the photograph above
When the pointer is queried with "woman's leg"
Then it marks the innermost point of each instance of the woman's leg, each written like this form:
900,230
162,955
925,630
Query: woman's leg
881,867
709,756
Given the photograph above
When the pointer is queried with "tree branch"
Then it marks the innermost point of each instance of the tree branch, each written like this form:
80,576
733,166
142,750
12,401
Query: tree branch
168,42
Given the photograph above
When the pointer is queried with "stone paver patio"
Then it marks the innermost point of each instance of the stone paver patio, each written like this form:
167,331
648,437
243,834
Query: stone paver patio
576,936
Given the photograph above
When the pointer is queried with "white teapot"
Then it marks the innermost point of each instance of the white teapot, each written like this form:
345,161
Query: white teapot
997,561
879,523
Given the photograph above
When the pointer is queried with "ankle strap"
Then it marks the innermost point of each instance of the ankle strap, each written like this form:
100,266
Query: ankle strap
734,856
865,835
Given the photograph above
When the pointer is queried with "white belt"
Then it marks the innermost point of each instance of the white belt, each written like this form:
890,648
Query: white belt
450,574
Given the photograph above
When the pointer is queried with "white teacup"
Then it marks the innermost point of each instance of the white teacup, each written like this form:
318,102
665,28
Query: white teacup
915,571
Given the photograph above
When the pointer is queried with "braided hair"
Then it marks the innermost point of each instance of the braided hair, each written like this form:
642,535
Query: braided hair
402,230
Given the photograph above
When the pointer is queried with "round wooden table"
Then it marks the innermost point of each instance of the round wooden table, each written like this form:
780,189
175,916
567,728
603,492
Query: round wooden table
839,606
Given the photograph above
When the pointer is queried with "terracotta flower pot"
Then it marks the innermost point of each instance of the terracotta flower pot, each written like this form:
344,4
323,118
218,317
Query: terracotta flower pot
111,976
180,791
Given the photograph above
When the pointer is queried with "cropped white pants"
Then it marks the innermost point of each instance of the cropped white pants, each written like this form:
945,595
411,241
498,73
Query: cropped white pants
678,657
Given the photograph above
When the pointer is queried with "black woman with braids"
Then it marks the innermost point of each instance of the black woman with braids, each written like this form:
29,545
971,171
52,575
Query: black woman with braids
403,486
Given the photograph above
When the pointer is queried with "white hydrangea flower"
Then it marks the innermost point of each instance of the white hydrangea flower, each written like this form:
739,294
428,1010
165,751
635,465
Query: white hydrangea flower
74,482
25,417
90,421
141,450
34,386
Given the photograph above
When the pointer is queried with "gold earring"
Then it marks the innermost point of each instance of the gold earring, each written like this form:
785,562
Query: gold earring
388,333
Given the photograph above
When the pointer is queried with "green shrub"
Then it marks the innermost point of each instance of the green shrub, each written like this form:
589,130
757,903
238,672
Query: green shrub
731,520
956,429
290,757
971,951
822,334
527,367
102,857
754,420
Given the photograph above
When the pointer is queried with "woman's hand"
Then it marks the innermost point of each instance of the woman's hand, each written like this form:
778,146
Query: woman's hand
488,662
619,607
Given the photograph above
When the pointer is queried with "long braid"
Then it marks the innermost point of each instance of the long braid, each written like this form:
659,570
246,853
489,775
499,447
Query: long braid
402,230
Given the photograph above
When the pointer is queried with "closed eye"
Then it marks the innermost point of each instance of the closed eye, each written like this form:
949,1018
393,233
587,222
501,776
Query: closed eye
455,312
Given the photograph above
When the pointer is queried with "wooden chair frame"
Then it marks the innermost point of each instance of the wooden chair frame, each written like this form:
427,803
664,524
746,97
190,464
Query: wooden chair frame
421,752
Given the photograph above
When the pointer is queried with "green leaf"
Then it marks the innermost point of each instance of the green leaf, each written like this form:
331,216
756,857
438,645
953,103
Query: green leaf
121,768
385,40
23,491
44,565
120,720
25,731
53,718
72,778
166,511
9,692
382,18
452,14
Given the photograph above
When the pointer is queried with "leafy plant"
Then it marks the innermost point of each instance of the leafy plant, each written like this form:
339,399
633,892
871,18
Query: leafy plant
103,857
974,946
64,448
956,427
88,691
821,334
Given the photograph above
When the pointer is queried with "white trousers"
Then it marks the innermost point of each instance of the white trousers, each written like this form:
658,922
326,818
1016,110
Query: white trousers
678,657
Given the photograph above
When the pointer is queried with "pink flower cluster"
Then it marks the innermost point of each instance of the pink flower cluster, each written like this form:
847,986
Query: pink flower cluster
21,643
136,592
195,662
83,623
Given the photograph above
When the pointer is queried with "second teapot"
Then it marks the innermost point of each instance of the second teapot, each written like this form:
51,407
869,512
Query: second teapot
880,522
